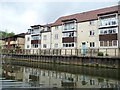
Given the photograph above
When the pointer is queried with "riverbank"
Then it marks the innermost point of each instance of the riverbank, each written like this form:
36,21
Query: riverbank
99,62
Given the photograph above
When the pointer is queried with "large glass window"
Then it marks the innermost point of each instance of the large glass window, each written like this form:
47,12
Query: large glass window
34,45
35,37
114,42
69,26
69,34
108,43
101,43
108,21
108,31
68,44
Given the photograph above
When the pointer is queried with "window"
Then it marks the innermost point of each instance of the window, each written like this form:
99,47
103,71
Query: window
108,31
69,26
34,45
92,44
56,45
45,37
46,29
28,38
105,43
91,22
56,27
108,21
101,43
92,33
68,44
35,37
44,45
27,46
56,36
69,34
115,43
110,43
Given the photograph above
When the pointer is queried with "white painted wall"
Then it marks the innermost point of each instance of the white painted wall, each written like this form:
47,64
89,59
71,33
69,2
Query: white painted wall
59,40
27,42
83,34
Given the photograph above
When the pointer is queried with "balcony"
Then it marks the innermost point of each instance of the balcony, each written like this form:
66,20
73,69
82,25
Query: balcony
69,27
108,23
110,20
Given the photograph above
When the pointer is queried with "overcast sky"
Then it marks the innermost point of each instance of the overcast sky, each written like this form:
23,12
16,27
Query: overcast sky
17,17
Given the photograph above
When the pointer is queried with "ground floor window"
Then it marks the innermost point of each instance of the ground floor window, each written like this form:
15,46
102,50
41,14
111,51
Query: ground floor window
34,45
44,45
92,44
68,44
108,43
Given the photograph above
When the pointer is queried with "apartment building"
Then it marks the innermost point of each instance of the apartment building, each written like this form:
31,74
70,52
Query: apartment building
13,42
46,37
33,37
96,29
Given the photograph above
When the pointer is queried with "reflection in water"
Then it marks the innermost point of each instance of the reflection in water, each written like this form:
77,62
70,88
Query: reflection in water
63,76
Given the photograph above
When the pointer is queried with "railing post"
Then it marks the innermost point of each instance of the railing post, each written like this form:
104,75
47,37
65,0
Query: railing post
71,52
65,52
106,52
60,51
115,52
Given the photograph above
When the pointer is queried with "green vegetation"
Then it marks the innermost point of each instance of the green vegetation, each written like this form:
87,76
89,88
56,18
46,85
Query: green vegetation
4,34
100,54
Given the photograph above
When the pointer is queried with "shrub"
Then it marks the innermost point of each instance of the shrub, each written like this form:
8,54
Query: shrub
100,53
106,54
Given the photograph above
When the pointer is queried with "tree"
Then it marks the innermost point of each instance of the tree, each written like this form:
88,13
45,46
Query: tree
4,34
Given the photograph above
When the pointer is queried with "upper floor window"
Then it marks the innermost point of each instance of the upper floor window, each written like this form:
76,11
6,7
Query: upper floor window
56,45
56,27
28,38
69,26
108,21
92,33
56,36
46,29
91,22
45,37
69,34
35,37
108,31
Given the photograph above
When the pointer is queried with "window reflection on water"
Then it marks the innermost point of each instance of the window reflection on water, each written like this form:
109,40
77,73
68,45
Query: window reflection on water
63,76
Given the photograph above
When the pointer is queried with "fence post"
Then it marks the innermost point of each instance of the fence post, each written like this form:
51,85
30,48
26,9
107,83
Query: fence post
65,52
60,52
106,52
71,52
115,52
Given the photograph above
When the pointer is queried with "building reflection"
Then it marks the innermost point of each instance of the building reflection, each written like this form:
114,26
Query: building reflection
50,78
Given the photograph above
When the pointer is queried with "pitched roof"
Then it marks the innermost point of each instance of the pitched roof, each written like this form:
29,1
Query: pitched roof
85,16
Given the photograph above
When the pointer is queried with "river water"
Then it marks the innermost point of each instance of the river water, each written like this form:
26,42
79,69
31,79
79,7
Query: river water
58,76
